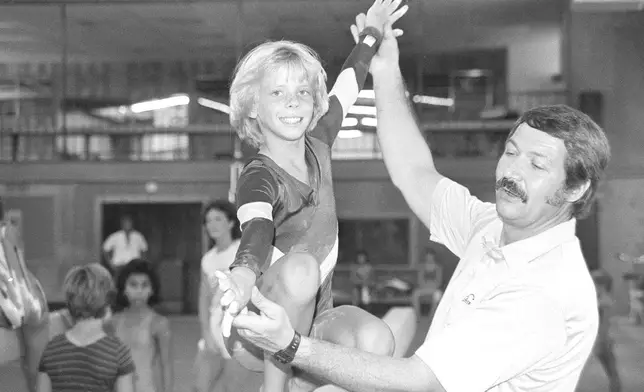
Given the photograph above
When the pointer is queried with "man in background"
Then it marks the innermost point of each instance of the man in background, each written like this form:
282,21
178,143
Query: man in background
124,245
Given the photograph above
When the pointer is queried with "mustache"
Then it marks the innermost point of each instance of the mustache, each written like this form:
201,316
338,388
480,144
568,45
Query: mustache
511,186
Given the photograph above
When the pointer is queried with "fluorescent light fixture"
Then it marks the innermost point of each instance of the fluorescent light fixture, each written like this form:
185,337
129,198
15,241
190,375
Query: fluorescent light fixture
367,94
214,105
370,94
349,122
369,122
363,110
349,134
156,104
435,101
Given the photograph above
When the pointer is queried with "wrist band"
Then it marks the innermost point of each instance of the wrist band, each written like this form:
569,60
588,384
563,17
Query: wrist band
370,36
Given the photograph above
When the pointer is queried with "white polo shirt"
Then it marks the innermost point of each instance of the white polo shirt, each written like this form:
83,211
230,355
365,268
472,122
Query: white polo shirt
125,248
521,317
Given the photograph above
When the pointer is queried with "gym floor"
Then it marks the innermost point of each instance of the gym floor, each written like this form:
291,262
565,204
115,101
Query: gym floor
629,351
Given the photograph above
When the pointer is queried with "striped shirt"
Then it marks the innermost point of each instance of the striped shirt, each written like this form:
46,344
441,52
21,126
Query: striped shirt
91,368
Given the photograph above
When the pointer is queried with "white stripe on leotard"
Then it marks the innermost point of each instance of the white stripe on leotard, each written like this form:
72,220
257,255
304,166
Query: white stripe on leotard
257,209
329,262
346,89
276,255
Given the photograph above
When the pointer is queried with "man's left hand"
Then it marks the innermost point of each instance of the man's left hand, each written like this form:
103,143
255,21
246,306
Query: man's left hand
270,330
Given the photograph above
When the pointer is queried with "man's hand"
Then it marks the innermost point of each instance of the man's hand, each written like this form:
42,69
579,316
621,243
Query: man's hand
387,54
270,330
236,287
380,13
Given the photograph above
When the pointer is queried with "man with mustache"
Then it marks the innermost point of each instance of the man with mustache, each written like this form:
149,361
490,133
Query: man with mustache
520,312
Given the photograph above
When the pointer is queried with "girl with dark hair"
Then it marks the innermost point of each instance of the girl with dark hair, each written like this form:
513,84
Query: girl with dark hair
221,225
146,332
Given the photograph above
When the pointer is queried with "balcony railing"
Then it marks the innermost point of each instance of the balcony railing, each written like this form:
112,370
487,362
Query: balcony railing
448,139
199,144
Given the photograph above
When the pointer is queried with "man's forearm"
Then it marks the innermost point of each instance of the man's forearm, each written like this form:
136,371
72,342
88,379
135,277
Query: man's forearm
360,371
404,147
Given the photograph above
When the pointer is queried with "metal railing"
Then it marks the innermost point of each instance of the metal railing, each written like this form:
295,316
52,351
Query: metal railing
448,139
199,145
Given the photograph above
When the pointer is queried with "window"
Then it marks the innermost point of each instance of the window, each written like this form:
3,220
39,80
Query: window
385,240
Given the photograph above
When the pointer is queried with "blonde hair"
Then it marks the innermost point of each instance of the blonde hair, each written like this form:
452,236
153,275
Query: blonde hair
249,72
89,291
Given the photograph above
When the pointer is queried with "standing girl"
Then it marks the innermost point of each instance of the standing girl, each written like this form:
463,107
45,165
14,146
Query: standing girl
145,332
222,227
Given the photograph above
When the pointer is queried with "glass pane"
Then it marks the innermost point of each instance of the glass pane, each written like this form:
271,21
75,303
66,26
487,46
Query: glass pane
385,240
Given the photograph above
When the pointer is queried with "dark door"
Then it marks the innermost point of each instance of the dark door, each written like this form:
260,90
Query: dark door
173,232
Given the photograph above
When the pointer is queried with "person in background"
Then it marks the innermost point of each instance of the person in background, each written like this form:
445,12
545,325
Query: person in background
222,226
143,330
635,281
124,245
362,277
85,358
430,283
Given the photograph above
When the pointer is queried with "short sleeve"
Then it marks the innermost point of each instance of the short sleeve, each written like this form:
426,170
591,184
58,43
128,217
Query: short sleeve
502,338
455,215
256,185
124,360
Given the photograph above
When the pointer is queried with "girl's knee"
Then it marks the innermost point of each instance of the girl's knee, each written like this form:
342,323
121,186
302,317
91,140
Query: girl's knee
299,276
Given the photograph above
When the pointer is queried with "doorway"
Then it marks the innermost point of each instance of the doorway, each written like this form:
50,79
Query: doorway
173,231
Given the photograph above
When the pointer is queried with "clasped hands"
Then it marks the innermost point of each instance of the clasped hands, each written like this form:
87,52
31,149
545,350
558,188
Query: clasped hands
270,329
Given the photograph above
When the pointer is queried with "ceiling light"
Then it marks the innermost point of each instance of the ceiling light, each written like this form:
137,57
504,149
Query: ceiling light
350,122
369,122
349,134
436,101
214,105
156,104
363,110
367,94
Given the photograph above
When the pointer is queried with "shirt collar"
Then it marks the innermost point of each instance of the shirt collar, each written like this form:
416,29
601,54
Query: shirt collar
524,251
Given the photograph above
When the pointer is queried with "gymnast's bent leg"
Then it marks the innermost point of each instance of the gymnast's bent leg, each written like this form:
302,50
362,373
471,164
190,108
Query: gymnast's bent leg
292,282
347,326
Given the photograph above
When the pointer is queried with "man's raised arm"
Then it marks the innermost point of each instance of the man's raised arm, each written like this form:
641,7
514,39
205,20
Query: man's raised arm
406,153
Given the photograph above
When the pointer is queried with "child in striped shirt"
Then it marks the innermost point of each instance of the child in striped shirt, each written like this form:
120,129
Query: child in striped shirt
84,358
